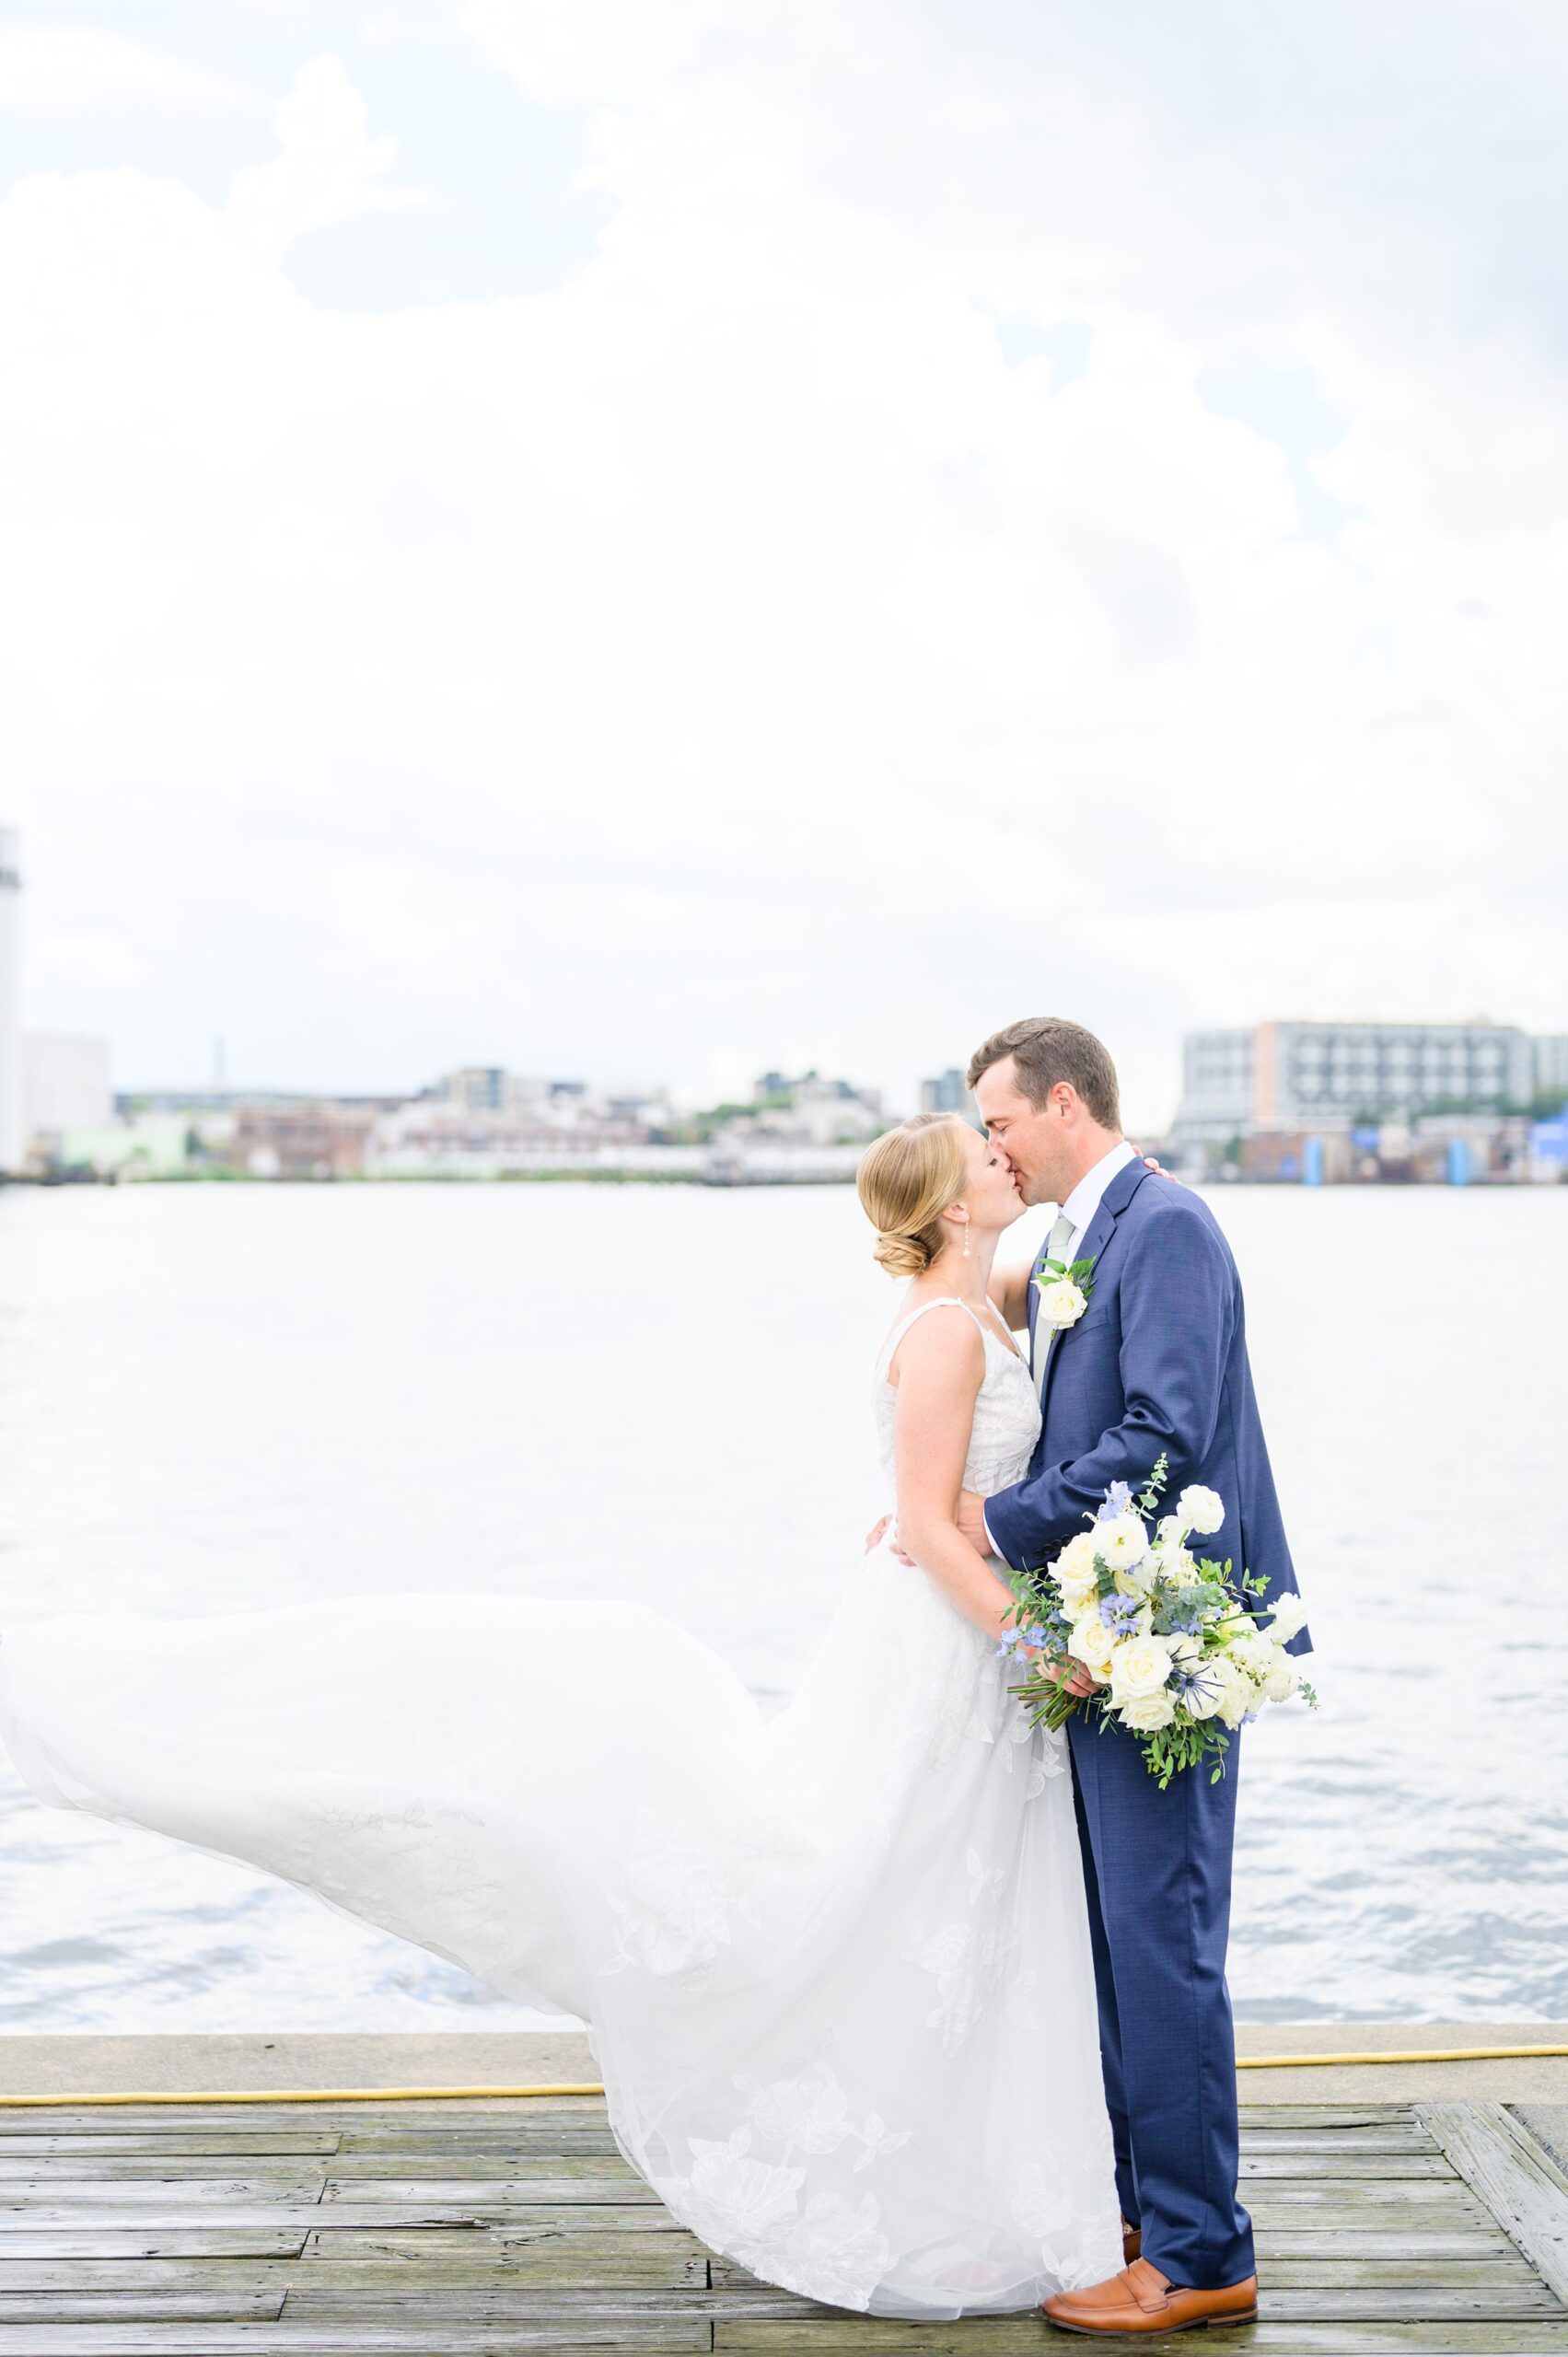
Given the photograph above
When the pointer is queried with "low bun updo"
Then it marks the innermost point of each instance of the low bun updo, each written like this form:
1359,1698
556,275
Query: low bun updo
907,1180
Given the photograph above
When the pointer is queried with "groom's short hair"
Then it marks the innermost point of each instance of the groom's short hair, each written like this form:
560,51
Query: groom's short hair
1045,1051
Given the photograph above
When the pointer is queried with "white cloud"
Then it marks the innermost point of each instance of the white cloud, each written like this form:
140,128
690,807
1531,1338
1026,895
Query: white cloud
329,166
731,655
59,73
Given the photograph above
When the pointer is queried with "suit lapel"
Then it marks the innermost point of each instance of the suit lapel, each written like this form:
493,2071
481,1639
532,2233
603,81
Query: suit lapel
1094,1238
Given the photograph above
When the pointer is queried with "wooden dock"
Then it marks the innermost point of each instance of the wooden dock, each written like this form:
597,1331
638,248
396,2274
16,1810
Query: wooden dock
444,2228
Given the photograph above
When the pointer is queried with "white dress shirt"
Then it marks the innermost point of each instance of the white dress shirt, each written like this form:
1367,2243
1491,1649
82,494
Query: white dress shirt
1080,1208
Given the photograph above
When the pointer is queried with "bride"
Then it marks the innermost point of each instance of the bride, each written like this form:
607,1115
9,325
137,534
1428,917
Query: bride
835,1967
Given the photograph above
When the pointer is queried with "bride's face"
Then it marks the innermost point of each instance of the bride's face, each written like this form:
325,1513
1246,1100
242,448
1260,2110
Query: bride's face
991,1193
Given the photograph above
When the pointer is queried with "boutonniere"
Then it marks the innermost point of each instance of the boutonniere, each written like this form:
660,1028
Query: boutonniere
1064,1290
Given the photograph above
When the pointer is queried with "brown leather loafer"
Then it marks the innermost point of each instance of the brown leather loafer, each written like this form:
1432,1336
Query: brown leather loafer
1143,2300
1131,2243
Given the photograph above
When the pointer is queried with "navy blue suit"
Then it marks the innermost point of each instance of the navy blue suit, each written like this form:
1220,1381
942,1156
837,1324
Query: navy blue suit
1158,1364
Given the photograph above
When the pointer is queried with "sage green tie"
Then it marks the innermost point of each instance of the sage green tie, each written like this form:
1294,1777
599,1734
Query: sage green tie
1056,1245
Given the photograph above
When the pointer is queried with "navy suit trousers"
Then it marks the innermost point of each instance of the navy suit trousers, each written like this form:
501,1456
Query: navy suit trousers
1157,1870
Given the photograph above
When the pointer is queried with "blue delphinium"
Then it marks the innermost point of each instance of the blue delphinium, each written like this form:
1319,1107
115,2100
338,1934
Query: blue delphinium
1118,1500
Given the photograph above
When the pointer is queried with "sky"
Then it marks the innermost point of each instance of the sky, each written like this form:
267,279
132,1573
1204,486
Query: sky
654,539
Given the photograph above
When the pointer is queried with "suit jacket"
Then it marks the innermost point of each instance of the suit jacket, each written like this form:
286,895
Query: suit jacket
1157,1363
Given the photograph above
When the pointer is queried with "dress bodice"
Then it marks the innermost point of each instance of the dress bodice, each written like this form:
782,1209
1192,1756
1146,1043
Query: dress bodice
1006,1414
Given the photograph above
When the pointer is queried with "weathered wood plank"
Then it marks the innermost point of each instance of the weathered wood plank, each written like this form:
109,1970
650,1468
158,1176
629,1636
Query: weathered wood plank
214,2306
640,2262
1256,2165
106,2168
17,2150
1526,2192
174,2241
332,2338
1321,2115
1398,2138
169,2193
1416,2253
413,2163
1405,2194
982,2336
1334,2271
490,2193
521,2231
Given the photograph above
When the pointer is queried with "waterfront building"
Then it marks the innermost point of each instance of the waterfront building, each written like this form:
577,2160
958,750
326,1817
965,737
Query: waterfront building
1336,1077
817,1111
11,1139
1551,1050
945,1093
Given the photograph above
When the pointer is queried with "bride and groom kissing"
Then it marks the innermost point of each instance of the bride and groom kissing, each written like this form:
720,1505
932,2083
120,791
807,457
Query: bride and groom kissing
900,2000
1155,1364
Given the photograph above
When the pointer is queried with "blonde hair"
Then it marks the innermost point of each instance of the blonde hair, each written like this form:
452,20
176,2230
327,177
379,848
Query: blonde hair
907,1180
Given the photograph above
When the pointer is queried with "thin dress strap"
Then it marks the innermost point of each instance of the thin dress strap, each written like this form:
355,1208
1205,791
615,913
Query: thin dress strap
942,1301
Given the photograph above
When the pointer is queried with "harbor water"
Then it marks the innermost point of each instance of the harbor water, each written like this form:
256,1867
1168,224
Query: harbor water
216,1397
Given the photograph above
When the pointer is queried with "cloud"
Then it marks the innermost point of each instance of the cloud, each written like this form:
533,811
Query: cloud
329,166
764,644
61,73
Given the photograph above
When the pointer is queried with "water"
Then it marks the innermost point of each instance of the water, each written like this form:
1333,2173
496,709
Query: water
215,1397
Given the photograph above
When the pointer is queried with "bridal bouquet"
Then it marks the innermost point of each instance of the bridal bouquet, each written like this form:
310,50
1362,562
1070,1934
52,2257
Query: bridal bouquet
1173,1648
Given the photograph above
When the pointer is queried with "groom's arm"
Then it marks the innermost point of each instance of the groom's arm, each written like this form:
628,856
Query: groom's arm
1177,1315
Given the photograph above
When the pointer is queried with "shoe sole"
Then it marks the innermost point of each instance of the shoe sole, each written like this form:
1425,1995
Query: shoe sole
1194,2324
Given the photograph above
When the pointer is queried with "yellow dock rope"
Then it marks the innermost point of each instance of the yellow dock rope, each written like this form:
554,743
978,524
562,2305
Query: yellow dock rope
592,2087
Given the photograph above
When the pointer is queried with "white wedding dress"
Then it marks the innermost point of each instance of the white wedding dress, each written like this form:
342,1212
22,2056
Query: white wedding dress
835,1965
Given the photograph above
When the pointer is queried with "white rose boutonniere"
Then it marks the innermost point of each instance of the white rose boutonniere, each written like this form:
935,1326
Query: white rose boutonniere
1064,1287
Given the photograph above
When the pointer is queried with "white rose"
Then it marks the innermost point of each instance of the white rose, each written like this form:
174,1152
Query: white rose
1077,1560
1147,1713
1282,1678
1254,1655
1120,1541
1236,1695
1288,1617
1200,1509
1139,1667
1185,1652
1061,1303
1093,1644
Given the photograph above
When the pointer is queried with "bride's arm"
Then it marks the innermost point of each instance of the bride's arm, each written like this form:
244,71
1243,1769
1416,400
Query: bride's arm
939,1367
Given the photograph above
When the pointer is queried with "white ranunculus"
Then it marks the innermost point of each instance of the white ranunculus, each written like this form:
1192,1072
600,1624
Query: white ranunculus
1288,1617
1093,1644
1140,1665
1200,1509
1148,1712
1062,1304
1122,1541
1282,1678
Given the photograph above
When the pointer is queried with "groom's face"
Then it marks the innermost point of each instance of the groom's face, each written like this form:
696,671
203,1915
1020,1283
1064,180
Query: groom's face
1031,1136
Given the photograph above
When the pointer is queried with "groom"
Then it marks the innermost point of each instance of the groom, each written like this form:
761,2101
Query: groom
1158,1364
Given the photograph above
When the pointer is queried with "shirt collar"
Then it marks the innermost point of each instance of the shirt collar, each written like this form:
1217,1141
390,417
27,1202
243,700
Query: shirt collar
1083,1202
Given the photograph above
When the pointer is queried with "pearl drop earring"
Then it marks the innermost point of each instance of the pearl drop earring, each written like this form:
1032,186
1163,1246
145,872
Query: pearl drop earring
966,1252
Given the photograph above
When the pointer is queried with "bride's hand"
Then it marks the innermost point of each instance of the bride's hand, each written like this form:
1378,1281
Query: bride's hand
878,1532
1069,1675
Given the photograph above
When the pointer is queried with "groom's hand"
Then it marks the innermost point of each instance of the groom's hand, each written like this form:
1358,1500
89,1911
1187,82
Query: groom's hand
970,1519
